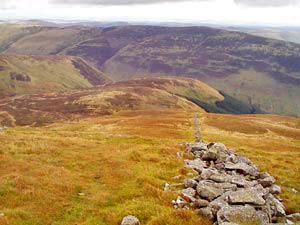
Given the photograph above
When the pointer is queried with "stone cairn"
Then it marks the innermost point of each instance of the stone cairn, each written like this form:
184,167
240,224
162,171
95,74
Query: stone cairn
230,189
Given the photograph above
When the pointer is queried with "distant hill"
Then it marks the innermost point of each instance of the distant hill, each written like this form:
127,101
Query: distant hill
139,94
256,70
37,74
290,34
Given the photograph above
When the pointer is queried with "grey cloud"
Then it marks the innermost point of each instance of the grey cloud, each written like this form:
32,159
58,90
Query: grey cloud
268,3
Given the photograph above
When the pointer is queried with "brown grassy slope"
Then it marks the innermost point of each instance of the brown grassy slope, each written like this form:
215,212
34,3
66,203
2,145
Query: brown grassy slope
50,40
10,33
166,93
21,74
120,163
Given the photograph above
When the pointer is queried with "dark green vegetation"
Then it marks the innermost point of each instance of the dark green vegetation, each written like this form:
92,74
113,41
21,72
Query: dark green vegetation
228,105
21,74
256,70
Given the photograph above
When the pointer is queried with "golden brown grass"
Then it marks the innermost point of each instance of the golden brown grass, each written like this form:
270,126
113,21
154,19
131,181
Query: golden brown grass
120,163
97,170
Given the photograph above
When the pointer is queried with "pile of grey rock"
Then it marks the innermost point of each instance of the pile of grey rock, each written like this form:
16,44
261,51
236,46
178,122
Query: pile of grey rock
230,189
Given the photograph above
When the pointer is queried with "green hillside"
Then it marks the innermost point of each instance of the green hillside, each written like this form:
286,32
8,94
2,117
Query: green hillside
37,74
256,70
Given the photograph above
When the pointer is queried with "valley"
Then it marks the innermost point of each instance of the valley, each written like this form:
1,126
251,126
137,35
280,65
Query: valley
94,120
22,74
235,63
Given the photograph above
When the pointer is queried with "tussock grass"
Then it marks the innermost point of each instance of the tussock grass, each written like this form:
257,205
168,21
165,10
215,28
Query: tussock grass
95,171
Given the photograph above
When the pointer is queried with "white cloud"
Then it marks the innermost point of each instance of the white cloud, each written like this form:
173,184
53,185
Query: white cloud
215,11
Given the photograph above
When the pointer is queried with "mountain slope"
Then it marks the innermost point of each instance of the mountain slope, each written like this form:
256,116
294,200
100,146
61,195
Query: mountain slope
97,170
37,74
256,70
165,93
11,33
51,40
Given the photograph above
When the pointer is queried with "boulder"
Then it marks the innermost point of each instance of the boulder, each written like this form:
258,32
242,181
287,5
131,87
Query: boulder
216,152
226,186
220,178
243,159
210,155
199,146
219,147
246,196
189,194
208,191
267,181
275,189
277,207
294,217
207,173
218,204
240,181
199,203
190,183
242,168
241,215
207,212
196,164
130,220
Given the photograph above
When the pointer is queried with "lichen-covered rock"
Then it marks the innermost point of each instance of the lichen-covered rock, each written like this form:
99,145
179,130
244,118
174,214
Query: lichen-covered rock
189,194
130,220
241,215
199,146
207,173
207,212
294,217
275,189
208,191
246,196
267,181
243,168
190,183
200,203
226,186
276,205
196,164
218,204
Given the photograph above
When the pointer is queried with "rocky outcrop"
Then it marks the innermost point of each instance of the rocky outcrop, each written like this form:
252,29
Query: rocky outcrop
230,189
130,220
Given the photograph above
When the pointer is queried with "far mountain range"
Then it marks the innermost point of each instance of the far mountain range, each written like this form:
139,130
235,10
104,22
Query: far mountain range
258,66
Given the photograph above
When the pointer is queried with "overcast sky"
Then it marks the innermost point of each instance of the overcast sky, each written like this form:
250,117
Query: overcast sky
263,12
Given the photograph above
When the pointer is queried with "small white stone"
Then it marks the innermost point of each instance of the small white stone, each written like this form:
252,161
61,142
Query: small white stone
2,215
294,190
81,194
167,187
